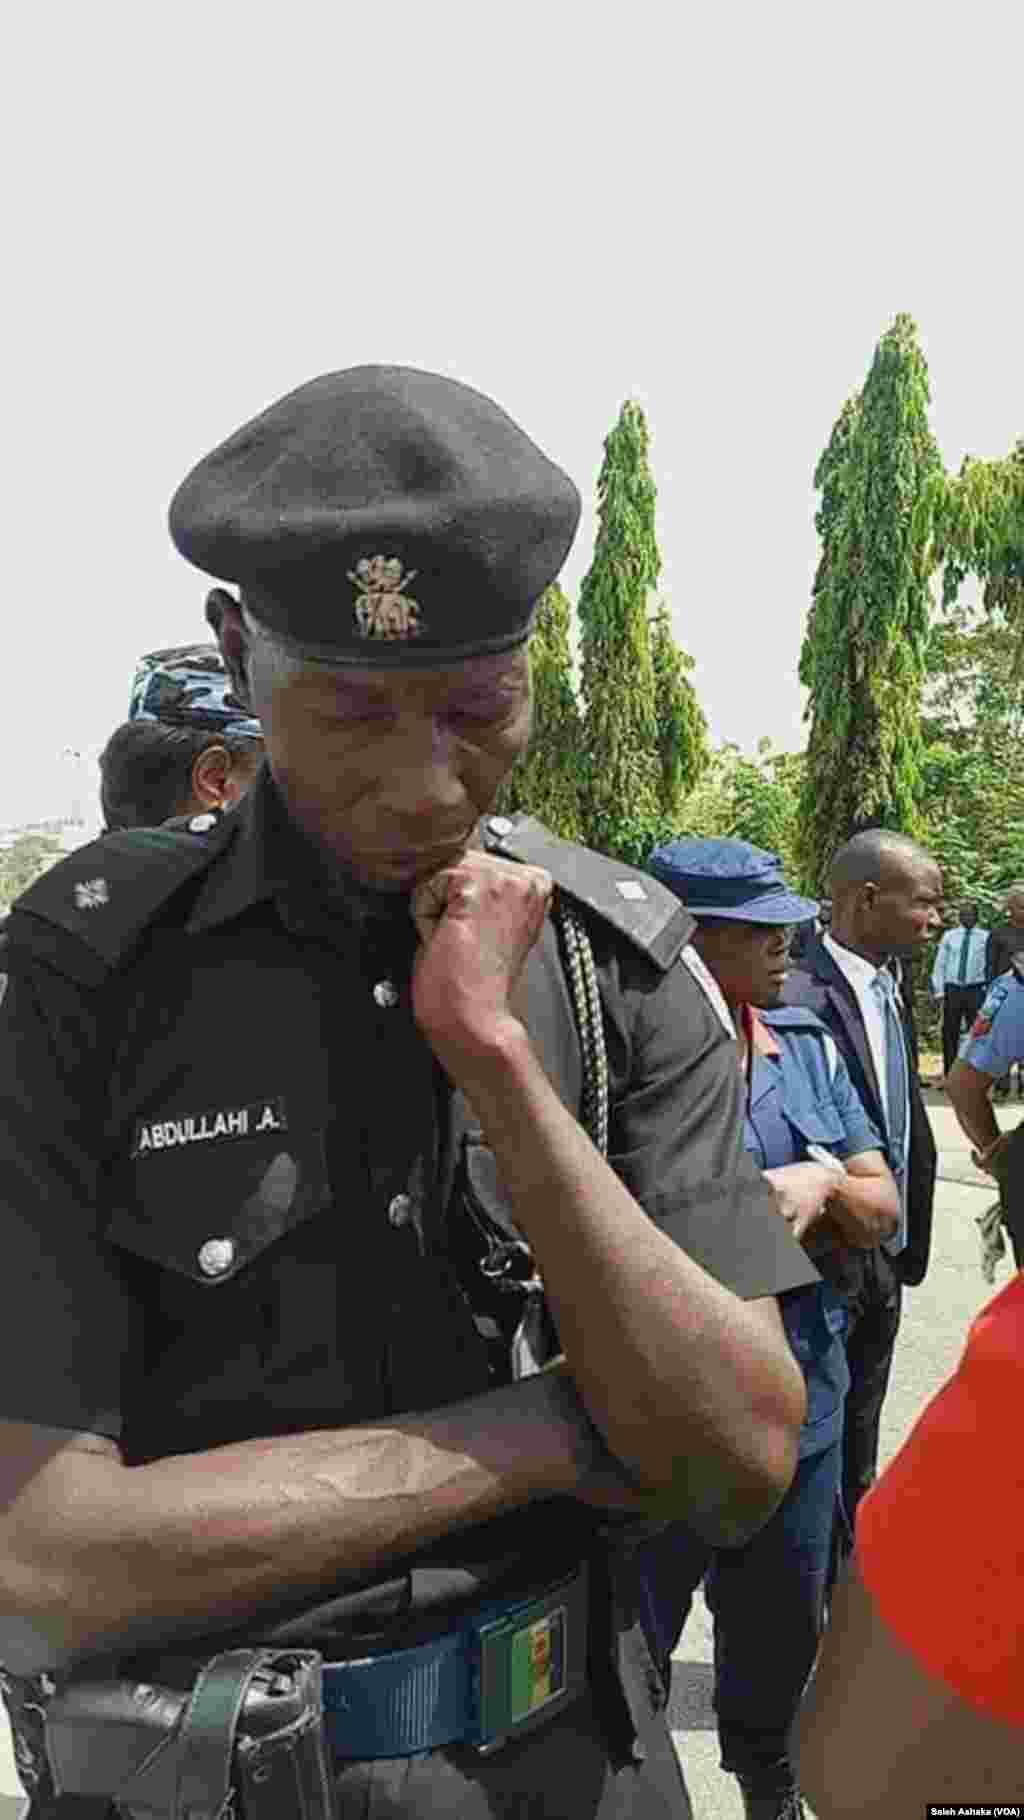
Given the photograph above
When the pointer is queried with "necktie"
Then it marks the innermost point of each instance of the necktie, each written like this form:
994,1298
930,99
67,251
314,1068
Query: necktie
897,1092
965,944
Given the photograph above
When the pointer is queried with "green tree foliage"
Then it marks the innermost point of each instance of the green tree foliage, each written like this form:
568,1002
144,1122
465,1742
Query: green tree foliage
623,772
754,799
682,728
971,772
862,661
26,859
972,769
981,532
546,780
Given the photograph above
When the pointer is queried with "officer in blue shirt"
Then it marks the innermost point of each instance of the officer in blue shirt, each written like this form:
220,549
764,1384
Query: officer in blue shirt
808,1132
958,979
996,1041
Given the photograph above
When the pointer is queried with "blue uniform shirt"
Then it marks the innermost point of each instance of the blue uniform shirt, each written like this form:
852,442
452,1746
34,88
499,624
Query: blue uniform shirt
800,1094
996,1039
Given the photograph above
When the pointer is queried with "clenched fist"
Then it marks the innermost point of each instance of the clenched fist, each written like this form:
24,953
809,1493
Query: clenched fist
803,1190
477,922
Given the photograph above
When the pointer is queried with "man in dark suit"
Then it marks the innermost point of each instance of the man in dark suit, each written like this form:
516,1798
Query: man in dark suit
886,893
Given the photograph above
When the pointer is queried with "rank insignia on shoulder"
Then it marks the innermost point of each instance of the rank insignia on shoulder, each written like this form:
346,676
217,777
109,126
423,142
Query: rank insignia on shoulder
91,894
639,907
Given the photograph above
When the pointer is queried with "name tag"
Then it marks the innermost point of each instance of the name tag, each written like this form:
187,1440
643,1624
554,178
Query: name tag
223,1123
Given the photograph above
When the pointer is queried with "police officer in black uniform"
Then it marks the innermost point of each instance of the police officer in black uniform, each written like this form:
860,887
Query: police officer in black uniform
320,1290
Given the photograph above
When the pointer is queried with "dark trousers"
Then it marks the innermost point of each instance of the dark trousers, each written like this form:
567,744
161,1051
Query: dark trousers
767,1600
874,1298
960,1007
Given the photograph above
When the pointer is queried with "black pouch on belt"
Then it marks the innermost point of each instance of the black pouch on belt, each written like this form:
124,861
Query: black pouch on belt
239,1734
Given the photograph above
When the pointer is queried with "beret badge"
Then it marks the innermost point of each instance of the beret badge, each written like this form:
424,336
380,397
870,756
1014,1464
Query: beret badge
383,609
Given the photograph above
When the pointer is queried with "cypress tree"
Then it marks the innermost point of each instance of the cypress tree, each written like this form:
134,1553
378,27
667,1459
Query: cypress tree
546,780
623,775
863,657
682,729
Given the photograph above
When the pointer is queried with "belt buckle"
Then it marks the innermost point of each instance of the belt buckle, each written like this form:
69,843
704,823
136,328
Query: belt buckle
528,1662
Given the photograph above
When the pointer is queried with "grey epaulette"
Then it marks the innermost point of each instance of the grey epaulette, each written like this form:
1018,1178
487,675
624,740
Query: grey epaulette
89,912
639,907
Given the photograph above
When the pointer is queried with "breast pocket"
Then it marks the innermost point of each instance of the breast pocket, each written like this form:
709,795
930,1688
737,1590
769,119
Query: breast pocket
222,1248
209,1210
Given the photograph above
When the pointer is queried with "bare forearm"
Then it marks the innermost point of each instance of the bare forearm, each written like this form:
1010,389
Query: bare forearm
968,1091
865,1208
685,1382
99,1557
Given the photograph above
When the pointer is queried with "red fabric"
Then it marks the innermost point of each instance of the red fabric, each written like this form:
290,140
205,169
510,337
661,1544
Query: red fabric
758,1035
940,1538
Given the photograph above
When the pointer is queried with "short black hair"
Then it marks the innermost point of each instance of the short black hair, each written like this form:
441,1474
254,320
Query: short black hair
863,856
146,769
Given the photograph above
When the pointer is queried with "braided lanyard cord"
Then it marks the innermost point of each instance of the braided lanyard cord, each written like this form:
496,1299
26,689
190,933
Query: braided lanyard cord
586,1004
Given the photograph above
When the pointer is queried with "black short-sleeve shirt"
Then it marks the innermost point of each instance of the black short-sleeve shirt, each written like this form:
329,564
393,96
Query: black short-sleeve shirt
222,1151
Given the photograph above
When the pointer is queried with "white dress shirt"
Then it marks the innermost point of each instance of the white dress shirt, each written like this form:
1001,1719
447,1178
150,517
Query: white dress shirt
948,959
860,973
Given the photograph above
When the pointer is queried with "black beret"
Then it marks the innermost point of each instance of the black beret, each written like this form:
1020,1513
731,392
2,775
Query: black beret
382,515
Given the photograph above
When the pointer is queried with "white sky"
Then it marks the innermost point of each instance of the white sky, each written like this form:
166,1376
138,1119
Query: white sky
715,210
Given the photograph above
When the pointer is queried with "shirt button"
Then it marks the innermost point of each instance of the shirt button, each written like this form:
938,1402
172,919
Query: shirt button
386,994
400,1209
216,1256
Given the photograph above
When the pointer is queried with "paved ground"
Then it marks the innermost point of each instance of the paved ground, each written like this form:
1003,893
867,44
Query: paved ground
935,1321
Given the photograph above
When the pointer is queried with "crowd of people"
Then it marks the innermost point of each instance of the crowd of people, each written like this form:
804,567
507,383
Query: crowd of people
448,1248
967,961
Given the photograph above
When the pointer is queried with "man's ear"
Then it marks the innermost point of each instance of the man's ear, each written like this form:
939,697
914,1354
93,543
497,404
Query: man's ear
210,774
224,617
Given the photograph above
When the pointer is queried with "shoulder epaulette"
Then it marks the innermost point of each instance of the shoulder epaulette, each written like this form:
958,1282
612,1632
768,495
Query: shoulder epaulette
637,906
107,893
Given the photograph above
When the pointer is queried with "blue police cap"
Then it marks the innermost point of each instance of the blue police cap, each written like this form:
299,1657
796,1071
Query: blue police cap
188,686
729,879
382,516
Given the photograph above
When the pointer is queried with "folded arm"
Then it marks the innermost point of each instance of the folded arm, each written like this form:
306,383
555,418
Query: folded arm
96,1556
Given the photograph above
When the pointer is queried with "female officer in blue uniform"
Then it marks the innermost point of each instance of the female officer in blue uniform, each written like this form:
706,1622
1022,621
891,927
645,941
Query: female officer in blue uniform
808,1132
